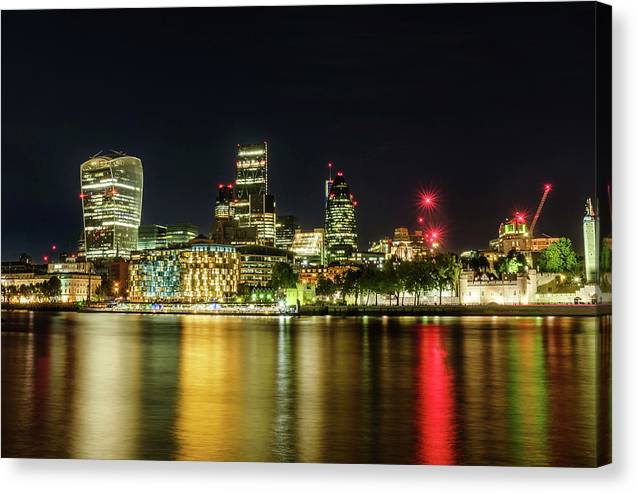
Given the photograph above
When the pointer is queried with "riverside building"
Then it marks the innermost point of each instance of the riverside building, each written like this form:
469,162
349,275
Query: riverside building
198,272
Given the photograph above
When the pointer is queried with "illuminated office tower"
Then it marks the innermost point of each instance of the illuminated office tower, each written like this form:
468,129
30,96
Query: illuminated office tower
308,247
286,227
341,237
591,243
177,234
252,178
262,217
151,236
111,193
224,205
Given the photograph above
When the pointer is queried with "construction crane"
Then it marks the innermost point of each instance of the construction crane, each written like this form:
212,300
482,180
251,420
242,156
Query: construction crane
547,189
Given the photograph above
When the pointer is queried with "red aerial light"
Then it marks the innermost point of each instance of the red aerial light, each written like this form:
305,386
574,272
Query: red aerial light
420,220
230,185
53,247
45,258
329,165
220,186
548,187
82,196
355,203
339,173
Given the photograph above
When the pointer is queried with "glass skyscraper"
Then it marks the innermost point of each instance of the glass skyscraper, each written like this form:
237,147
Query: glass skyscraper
252,178
341,236
111,193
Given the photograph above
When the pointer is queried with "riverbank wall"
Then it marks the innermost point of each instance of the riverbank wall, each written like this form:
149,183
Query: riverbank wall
461,310
356,311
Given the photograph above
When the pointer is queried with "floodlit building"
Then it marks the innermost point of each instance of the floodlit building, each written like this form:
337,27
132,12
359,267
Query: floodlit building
252,178
257,262
262,218
591,243
404,245
341,233
286,228
198,272
308,247
178,234
151,236
111,193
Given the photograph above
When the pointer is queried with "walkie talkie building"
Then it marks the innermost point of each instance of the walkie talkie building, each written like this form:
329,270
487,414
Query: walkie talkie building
111,193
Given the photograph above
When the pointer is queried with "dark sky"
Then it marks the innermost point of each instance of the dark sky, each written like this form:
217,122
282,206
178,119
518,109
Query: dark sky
485,103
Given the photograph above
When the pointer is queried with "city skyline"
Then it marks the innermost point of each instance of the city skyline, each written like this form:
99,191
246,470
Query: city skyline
423,126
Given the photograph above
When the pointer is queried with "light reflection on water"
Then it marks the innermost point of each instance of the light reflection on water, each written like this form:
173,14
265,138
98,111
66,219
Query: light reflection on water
427,390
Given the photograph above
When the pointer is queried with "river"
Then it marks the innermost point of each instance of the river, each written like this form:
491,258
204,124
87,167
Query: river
410,390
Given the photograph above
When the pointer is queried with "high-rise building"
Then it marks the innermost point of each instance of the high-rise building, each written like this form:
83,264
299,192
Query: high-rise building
341,236
308,247
197,272
111,193
224,205
150,236
177,234
252,178
263,218
286,227
591,243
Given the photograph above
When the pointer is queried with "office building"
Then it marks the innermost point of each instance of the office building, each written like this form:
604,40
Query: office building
111,193
252,178
257,263
341,236
178,234
151,236
197,272
308,247
286,227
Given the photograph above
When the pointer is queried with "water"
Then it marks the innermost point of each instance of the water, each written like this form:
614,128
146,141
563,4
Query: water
437,390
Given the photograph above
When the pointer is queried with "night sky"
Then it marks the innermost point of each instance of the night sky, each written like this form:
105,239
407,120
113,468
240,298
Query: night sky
486,103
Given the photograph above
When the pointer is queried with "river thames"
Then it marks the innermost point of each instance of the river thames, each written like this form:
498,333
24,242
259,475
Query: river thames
413,390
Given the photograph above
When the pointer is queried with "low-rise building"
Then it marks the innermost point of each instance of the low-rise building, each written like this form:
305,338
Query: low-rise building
200,271
257,262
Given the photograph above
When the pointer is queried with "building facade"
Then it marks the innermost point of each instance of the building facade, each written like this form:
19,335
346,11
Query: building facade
111,193
257,263
591,243
198,272
252,178
178,234
341,233
151,236
308,247
286,228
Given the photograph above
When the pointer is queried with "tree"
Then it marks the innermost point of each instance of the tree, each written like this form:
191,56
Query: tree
445,272
325,287
559,257
389,281
283,276
351,284
52,288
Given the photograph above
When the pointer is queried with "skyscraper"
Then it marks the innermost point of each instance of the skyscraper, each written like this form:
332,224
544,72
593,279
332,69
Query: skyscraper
591,243
254,208
263,217
341,236
252,177
286,227
111,193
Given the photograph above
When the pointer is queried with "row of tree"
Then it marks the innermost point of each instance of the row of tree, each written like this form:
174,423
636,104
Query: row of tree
48,290
394,280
